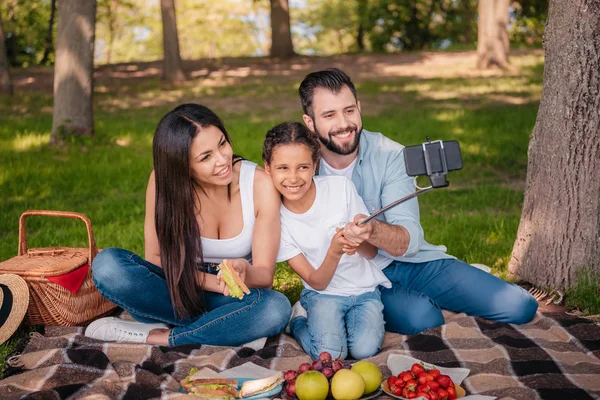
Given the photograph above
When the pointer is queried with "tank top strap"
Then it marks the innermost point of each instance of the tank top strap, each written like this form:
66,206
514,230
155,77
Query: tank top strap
247,171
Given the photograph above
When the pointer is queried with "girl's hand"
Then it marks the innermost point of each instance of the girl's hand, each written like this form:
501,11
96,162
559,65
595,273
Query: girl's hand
340,244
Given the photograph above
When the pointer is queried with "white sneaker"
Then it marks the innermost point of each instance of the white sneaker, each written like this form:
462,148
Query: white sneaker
113,329
256,344
482,267
297,311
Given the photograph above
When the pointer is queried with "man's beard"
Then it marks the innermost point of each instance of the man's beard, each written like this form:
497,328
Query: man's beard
343,150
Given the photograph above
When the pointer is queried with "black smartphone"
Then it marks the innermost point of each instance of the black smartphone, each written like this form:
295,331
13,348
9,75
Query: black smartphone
414,157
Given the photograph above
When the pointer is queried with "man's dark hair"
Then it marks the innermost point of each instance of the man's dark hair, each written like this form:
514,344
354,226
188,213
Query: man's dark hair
332,79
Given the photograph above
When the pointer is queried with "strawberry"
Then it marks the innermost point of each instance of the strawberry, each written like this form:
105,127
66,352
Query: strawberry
391,381
406,376
435,373
443,394
411,385
425,395
451,392
444,381
434,385
416,369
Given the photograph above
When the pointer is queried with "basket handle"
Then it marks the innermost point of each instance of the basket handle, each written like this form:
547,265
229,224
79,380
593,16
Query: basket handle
63,214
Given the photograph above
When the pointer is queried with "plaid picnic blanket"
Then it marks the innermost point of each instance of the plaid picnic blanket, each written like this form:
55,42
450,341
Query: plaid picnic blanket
553,357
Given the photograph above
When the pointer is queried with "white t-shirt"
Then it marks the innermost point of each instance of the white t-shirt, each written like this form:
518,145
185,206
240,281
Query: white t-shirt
326,169
336,203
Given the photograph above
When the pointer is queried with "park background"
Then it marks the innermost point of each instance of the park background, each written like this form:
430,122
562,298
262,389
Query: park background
451,69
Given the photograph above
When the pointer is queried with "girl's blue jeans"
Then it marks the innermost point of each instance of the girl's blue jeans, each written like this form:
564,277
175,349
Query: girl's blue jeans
420,291
140,288
340,325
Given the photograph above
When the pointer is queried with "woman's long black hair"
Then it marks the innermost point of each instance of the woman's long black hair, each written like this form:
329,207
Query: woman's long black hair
175,210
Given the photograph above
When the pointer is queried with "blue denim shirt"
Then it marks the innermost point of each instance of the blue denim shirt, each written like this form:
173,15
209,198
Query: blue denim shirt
380,179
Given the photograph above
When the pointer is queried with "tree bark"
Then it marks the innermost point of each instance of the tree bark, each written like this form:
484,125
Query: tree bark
6,86
74,70
172,65
281,34
492,34
49,41
560,222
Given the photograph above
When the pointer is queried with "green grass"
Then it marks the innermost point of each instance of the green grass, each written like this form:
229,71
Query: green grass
105,177
585,294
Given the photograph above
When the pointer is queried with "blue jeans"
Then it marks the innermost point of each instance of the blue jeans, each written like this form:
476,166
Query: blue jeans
340,324
139,287
420,291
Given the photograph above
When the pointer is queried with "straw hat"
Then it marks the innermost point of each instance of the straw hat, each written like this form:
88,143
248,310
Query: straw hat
14,300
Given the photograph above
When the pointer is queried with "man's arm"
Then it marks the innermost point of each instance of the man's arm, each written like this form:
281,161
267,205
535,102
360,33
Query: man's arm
393,239
401,234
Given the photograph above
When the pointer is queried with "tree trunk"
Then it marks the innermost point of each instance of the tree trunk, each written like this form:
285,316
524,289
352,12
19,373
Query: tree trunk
360,34
560,222
11,51
74,69
111,30
172,66
49,40
6,86
492,34
281,34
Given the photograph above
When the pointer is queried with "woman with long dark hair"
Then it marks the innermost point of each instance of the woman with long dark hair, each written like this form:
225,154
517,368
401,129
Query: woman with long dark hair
203,205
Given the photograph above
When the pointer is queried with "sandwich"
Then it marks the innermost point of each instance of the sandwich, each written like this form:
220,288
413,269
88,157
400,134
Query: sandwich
258,386
236,286
210,388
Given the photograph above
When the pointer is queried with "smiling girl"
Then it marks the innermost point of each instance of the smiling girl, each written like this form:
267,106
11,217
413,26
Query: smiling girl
340,309
203,205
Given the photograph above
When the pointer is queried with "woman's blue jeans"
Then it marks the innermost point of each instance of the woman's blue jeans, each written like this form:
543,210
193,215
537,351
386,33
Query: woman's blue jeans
140,288
420,291
340,325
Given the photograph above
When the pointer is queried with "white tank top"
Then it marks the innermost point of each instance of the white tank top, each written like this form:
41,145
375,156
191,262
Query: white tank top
240,246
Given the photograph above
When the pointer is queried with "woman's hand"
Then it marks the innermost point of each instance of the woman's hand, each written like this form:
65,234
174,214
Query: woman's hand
240,265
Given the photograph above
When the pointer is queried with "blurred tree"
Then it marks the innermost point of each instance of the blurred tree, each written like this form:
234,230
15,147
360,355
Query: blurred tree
25,30
50,35
74,70
281,34
230,28
6,86
527,22
172,66
112,16
492,34
334,26
559,230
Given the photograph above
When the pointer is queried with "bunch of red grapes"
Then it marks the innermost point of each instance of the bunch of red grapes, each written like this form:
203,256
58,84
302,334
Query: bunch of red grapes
325,365
421,382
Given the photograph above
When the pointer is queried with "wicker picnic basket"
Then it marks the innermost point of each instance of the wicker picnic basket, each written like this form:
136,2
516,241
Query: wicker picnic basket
49,302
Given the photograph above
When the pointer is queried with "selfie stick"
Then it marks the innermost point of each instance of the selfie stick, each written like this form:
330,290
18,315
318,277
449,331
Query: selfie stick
394,204
438,179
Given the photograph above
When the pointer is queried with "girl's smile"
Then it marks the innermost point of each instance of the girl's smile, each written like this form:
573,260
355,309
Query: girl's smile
291,169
